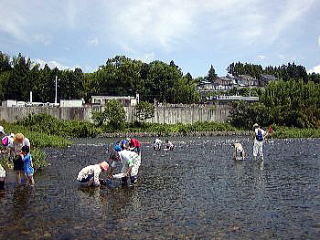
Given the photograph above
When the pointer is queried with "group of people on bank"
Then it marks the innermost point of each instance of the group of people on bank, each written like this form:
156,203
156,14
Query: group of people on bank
16,147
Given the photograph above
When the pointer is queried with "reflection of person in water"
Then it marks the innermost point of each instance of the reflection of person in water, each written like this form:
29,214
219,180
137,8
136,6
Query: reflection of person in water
21,196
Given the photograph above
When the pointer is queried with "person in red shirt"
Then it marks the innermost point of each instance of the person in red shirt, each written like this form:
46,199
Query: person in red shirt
135,145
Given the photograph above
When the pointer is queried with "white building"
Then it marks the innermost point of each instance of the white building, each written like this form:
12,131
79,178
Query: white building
71,103
126,101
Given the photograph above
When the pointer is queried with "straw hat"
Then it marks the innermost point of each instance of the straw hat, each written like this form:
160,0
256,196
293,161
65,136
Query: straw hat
255,125
104,166
18,137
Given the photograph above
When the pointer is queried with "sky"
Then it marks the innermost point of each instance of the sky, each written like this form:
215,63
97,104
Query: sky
193,33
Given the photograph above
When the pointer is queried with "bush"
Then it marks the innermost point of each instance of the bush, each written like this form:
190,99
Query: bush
48,124
144,110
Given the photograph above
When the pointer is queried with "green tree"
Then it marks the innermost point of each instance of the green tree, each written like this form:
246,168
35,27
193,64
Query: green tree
211,75
113,113
144,110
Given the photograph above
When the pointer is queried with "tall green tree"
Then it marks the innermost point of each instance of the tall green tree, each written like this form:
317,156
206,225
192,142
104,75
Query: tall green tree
211,75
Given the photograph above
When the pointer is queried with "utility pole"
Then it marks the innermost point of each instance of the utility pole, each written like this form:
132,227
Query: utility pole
56,91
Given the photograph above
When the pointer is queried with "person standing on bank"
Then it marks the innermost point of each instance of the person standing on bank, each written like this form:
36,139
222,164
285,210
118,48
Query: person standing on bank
259,138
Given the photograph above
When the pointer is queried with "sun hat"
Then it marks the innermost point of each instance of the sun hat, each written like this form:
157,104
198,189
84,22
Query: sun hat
18,137
104,166
117,148
5,141
2,129
255,125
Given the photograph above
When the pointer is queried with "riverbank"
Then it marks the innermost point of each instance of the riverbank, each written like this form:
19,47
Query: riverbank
47,125
38,141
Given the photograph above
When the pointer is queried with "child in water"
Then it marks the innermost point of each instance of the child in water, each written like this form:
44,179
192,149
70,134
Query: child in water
170,145
90,175
27,164
238,153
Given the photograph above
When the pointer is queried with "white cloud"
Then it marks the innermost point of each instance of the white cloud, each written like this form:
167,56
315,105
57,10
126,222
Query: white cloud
41,38
93,42
315,69
52,64
147,57
261,57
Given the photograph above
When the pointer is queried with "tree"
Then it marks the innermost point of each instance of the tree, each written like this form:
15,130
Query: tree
144,110
113,113
211,75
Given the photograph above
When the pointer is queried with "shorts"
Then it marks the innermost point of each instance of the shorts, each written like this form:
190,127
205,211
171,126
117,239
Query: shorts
2,172
87,179
29,172
18,163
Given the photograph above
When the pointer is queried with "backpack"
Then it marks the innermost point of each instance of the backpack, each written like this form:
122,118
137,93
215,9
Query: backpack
259,136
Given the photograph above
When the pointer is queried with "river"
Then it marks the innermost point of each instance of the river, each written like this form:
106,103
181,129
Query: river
194,192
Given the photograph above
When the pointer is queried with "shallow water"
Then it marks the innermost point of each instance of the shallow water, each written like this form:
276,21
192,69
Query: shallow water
195,192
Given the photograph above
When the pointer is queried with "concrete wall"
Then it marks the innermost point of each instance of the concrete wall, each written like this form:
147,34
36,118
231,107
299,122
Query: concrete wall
163,114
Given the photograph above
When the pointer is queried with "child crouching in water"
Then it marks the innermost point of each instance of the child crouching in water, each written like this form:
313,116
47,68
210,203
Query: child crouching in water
90,175
238,151
2,177
27,164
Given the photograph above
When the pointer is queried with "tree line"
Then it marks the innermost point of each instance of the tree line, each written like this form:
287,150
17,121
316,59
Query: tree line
283,72
122,76
284,103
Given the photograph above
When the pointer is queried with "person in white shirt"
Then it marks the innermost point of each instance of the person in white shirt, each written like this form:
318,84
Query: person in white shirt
2,177
90,175
238,152
260,135
169,145
130,162
157,144
2,133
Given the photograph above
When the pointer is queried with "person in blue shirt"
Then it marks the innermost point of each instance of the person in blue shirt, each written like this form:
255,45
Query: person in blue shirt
27,164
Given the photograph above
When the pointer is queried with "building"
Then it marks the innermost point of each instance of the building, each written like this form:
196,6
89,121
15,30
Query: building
71,103
9,103
265,79
224,83
247,81
126,101
224,99
205,86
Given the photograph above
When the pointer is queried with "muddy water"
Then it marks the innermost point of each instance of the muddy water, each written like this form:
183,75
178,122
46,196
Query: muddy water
194,192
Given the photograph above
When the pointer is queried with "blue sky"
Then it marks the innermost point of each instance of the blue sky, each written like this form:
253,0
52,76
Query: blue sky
193,33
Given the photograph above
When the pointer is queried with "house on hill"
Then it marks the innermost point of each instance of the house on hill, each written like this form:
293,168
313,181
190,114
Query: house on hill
205,86
247,81
224,83
265,79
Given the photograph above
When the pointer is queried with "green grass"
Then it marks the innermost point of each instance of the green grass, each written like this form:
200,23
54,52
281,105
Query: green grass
289,132
38,141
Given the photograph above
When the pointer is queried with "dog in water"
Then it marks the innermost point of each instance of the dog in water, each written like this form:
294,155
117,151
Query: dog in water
238,151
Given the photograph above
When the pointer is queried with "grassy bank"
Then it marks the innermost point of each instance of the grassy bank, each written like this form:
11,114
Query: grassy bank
289,132
45,125
38,140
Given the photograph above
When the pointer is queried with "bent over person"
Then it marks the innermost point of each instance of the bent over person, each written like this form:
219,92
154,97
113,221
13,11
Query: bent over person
90,175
